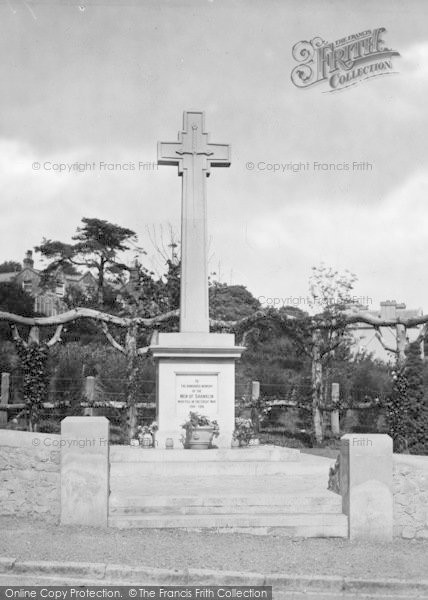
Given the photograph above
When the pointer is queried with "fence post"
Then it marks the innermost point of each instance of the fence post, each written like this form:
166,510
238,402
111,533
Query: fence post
4,398
255,395
90,394
255,390
334,416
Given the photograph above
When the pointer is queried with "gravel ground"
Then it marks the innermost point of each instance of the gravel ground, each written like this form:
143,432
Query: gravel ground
28,539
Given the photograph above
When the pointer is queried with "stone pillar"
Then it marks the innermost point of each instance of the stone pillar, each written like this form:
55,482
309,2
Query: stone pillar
4,398
255,390
195,372
335,423
366,485
84,471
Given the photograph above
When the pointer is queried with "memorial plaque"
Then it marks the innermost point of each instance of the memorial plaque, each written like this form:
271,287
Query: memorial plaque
197,393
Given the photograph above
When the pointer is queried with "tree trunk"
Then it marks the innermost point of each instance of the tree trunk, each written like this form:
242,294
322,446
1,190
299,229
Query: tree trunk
100,291
317,387
401,333
131,379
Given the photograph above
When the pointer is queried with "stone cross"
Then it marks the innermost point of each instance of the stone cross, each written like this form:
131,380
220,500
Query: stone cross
194,155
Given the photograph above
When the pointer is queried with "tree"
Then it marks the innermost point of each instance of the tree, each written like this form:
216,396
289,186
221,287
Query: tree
231,302
417,406
10,266
97,246
33,355
14,299
324,336
407,406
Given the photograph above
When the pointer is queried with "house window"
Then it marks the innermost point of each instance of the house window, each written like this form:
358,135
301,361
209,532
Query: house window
60,289
27,286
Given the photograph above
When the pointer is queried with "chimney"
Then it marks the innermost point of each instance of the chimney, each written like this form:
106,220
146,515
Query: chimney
28,261
388,309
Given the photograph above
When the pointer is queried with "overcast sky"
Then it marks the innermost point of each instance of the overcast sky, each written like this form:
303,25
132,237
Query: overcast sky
106,81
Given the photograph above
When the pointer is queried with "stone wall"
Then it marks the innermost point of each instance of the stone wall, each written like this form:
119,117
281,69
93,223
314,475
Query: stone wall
410,485
30,474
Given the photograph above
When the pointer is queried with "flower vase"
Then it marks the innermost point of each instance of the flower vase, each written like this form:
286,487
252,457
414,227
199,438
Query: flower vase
146,440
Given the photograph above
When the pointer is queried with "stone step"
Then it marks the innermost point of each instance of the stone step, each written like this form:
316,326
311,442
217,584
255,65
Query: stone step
257,503
141,470
299,525
248,454
122,488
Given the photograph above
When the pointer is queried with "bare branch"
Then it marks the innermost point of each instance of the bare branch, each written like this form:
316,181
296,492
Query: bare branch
330,348
111,339
143,351
422,334
314,322
16,336
56,337
384,346
87,313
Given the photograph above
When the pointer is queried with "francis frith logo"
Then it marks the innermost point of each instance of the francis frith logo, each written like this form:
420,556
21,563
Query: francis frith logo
342,63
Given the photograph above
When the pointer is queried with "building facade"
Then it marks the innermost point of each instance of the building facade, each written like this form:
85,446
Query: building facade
48,301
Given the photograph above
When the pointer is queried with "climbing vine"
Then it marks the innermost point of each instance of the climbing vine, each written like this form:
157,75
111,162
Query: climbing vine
33,358
406,408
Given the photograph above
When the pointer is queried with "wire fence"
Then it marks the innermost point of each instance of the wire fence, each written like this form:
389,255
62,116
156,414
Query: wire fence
282,410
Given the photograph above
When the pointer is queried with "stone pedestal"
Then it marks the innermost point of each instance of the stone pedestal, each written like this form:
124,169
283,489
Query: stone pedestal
84,471
366,485
195,372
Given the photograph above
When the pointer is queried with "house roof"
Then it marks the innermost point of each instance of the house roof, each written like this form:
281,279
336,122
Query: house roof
79,276
6,277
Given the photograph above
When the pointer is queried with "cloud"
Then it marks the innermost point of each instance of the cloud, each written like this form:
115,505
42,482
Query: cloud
384,244
47,202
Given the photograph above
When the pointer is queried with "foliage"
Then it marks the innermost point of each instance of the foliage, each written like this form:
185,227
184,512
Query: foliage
417,406
244,430
97,244
407,407
8,359
152,428
231,302
33,359
330,291
10,266
271,356
197,420
49,426
146,430
145,296
13,299
74,361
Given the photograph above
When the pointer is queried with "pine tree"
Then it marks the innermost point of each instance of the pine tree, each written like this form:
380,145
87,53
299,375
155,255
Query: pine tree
417,408
396,411
407,408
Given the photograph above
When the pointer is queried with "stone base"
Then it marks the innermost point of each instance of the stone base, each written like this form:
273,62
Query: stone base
265,490
195,372
84,471
366,485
